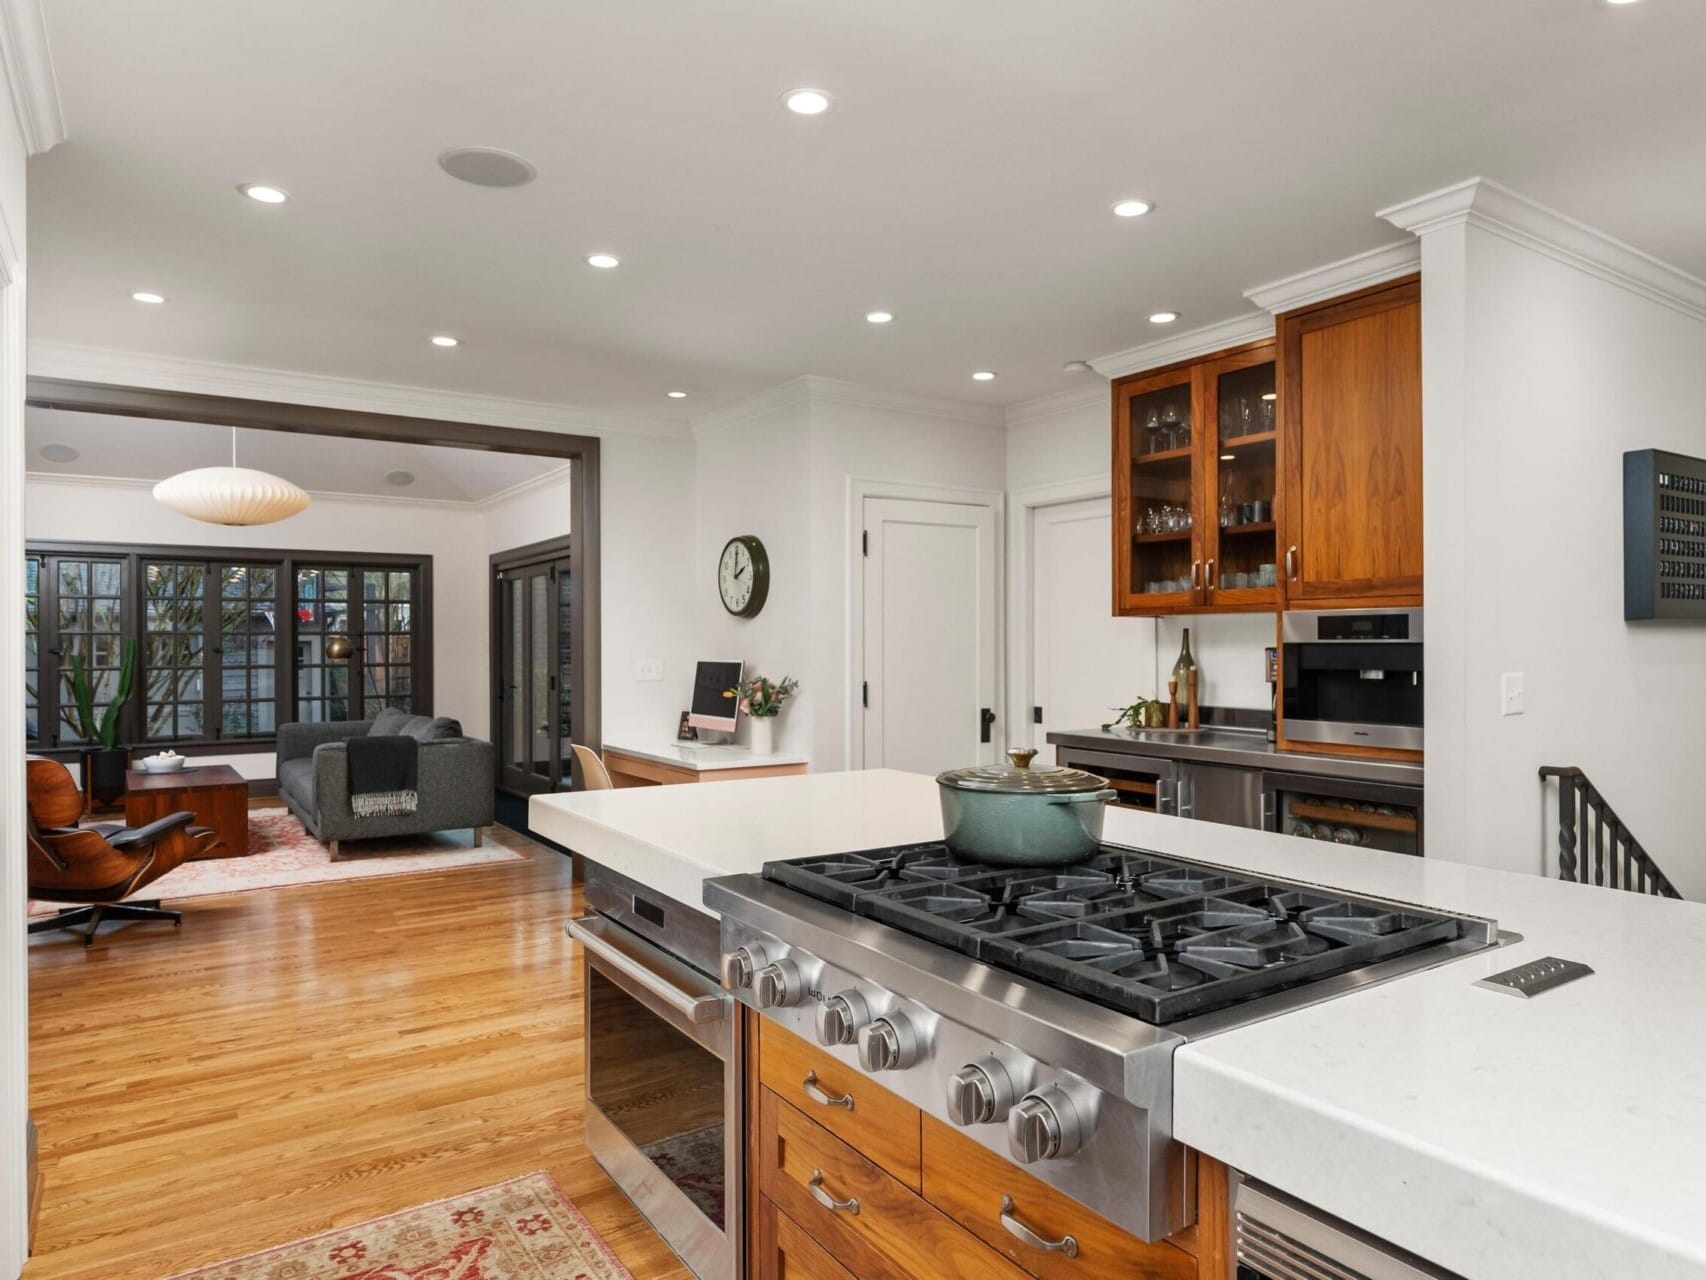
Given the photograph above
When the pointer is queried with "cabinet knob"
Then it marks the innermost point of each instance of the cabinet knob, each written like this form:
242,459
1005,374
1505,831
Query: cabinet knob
1291,562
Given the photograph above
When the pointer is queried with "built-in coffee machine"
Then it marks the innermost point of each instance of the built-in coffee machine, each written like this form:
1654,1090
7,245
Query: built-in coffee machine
1352,677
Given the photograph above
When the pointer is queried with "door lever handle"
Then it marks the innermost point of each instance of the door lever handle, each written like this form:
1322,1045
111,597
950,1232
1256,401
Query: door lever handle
986,720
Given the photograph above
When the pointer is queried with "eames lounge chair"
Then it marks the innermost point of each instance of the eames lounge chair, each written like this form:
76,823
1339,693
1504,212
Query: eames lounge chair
97,865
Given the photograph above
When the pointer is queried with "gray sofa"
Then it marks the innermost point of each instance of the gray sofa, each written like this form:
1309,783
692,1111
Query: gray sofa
457,776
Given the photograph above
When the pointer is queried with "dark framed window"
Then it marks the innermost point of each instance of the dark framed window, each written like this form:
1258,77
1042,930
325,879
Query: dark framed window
230,642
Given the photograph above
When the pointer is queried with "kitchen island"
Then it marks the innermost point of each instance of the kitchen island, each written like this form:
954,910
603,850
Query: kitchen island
1494,1136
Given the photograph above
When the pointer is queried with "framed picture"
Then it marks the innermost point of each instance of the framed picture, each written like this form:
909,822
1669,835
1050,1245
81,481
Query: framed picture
685,732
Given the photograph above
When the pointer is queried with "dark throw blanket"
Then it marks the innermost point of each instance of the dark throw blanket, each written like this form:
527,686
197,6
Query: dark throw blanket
382,776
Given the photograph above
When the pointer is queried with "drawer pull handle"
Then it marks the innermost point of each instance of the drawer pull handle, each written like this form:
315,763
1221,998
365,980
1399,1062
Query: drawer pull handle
849,1205
1066,1244
815,1092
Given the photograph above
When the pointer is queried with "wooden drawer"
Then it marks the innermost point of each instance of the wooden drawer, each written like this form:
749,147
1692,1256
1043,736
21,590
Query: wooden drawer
880,1126
968,1181
892,1234
786,1252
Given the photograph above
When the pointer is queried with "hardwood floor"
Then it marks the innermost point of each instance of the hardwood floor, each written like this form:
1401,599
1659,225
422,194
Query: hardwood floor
298,1059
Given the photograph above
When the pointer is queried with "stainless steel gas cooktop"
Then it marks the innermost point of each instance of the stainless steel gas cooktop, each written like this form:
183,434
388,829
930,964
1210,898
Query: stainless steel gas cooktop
1039,1008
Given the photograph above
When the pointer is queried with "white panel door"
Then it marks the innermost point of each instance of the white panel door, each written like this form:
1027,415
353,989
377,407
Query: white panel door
1084,661
930,627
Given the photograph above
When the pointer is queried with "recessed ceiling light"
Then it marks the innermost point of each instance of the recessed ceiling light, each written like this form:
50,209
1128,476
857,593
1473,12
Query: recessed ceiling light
878,317
487,167
1132,208
983,375
1076,366
445,340
1163,317
59,453
399,479
603,261
1615,4
677,395
807,102
263,193
153,299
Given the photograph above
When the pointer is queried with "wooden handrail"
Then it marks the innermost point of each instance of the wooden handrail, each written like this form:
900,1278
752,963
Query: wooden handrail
1594,847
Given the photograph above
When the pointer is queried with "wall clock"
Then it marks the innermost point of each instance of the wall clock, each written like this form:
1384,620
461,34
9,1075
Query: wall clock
743,576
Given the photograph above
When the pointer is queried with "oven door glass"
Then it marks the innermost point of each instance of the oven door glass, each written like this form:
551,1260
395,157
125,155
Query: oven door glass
661,1089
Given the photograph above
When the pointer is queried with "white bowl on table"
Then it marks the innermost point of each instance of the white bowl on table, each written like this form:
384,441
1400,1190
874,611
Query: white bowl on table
165,762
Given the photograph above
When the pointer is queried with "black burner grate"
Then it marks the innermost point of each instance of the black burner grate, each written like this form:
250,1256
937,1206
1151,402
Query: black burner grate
1159,938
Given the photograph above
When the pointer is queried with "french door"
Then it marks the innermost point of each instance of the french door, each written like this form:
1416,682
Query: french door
533,607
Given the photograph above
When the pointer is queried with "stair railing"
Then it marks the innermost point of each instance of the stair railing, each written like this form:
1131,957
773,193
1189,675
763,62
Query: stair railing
1594,847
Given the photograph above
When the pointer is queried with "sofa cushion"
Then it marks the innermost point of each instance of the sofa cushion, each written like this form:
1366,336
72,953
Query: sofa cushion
296,778
389,723
431,728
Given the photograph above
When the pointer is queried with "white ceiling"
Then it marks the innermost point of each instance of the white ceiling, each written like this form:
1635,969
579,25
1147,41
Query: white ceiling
143,449
962,180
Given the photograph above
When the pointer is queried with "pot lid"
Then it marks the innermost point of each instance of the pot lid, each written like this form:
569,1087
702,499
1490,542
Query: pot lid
1019,778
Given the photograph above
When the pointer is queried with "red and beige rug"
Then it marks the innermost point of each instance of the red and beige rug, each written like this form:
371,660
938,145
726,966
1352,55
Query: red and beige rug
285,854
525,1229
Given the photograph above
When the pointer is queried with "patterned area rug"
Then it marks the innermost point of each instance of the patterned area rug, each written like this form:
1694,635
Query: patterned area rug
285,854
694,1162
526,1229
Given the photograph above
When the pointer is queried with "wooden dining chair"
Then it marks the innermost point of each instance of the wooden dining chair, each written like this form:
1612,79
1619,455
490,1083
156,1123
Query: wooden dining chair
594,776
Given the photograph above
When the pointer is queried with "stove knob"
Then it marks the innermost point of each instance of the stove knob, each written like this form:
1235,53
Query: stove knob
980,1093
740,964
888,1044
1044,1125
778,985
841,1017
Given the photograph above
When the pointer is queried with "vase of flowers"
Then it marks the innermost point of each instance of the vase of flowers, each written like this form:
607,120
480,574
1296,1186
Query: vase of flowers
762,700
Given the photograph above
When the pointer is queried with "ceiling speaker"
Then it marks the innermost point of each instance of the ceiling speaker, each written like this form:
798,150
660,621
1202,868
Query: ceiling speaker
487,167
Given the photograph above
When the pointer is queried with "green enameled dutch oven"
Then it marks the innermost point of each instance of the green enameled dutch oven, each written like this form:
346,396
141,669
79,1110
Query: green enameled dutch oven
1014,815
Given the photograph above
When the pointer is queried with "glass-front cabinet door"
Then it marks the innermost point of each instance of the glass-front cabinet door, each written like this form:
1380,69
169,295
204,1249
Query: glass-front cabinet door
1240,547
1160,522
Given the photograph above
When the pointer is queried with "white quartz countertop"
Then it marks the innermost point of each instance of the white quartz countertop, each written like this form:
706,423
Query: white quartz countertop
1560,1136
704,757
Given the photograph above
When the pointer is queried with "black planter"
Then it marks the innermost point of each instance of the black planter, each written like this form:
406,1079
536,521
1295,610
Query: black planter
103,775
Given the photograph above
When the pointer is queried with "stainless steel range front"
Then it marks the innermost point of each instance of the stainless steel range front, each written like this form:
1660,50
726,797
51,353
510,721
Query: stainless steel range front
1038,1009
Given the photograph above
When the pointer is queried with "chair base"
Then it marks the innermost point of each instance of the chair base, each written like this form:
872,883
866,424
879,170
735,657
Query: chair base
93,916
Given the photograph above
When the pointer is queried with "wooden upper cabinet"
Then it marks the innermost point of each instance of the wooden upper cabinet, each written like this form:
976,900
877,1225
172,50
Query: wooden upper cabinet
1195,467
1350,394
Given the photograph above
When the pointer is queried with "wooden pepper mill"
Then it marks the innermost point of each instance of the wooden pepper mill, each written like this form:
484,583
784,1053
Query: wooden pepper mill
1194,722
1172,704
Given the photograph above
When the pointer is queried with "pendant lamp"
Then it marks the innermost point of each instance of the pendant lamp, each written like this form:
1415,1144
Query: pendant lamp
231,495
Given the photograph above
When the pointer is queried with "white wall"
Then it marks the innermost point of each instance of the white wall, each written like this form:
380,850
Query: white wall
534,512
454,536
752,478
1539,375
952,446
14,990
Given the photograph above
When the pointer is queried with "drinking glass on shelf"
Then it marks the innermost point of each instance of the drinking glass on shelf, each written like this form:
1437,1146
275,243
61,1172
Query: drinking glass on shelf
1266,414
1152,431
1246,416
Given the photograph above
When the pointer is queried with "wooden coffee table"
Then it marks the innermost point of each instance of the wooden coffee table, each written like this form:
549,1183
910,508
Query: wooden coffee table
217,794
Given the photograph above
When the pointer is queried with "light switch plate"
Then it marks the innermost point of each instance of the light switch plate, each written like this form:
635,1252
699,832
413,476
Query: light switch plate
648,668
1513,699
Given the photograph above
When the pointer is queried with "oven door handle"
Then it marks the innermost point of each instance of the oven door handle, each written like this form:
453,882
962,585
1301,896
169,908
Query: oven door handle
659,974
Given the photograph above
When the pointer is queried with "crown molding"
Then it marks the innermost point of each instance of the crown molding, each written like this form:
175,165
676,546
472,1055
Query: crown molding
206,377
795,391
835,391
1059,403
1185,346
1484,204
811,388
28,64
1347,275
516,490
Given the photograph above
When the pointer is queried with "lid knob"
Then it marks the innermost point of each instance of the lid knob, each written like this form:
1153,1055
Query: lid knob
1022,757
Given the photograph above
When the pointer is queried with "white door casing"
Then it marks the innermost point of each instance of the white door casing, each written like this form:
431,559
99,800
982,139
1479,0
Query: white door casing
928,630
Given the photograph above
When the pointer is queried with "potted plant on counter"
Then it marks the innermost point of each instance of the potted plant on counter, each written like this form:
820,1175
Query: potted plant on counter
763,700
104,765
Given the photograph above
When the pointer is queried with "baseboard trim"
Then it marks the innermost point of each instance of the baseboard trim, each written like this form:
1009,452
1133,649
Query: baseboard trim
34,1180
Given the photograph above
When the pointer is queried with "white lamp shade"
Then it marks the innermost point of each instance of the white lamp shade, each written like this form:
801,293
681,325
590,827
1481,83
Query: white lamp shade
230,495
